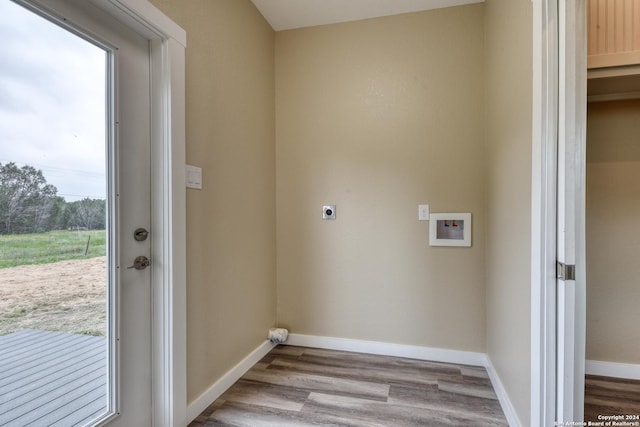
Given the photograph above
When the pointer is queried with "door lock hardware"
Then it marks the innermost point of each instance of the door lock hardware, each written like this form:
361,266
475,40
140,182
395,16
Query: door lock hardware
140,235
565,271
140,263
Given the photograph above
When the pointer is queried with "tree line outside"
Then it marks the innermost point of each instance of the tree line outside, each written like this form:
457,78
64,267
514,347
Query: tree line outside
39,227
28,204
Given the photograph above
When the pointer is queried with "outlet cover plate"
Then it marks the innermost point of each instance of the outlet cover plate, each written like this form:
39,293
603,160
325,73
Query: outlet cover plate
329,212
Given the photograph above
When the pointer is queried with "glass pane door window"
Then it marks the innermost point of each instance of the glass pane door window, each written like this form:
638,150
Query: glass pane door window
54,280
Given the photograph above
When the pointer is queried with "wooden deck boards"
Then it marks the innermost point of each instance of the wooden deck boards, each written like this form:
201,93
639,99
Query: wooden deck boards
51,378
296,386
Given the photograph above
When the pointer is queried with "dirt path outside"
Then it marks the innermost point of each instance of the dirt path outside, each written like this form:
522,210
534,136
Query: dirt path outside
66,296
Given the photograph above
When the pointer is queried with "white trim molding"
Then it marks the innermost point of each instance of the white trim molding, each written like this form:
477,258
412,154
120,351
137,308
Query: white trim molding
386,349
203,401
147,15
543,212
169,246
613,369
507,407
572,121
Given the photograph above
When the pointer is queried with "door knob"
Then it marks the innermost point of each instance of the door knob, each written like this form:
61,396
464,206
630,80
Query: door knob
140,263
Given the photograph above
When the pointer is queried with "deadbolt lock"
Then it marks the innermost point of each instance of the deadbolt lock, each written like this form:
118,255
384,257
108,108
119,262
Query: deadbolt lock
140,234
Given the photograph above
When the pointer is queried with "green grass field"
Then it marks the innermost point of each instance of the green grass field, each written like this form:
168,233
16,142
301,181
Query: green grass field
53,246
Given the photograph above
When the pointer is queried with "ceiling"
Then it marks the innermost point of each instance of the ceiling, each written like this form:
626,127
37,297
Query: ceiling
289,14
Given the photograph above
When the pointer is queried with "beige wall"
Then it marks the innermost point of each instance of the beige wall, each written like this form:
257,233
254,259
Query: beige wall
376,117
508,71
613,231
231,222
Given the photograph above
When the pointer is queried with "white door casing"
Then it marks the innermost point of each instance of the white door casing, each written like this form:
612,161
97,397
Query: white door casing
559,119
571,209
168,205
543,214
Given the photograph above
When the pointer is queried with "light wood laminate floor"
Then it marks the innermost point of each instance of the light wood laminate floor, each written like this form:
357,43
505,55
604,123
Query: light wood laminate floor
611,396
297,386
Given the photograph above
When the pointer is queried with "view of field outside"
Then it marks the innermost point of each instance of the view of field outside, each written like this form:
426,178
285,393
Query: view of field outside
52,177
53,281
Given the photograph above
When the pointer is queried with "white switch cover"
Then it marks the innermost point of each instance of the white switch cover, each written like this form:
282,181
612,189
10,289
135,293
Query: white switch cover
194,177
423,212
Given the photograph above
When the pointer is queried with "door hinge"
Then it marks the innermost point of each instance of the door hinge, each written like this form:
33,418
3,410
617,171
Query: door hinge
565,271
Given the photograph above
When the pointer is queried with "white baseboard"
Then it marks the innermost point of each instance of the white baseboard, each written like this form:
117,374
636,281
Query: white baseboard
386,349
613,369
503,398
203,401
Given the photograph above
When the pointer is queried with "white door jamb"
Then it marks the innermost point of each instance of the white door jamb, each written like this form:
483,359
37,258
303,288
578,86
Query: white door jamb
571,311
543,215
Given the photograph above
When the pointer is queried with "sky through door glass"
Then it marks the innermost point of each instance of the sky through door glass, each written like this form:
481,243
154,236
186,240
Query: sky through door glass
52,103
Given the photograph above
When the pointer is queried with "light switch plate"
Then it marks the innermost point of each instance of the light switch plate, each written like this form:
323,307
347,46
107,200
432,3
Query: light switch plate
423,212
194,177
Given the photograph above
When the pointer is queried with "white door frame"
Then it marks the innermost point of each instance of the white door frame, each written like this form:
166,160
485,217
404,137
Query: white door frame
571,328
557,110
543,215
168,204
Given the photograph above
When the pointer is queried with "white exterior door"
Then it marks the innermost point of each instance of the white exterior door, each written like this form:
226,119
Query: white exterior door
131,196
127,147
